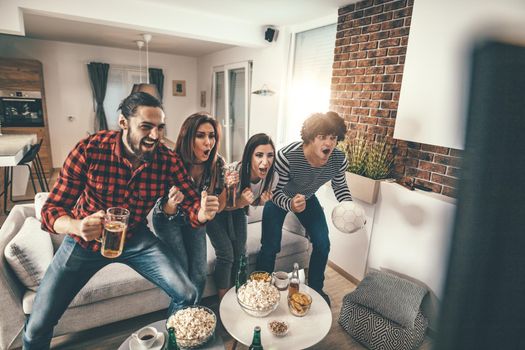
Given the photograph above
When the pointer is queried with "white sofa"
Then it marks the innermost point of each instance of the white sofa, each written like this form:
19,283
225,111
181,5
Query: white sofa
116,292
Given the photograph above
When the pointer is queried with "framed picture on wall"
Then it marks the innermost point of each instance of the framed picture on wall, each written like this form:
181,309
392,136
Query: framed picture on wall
179,87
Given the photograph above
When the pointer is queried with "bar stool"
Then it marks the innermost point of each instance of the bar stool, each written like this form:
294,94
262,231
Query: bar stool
31,157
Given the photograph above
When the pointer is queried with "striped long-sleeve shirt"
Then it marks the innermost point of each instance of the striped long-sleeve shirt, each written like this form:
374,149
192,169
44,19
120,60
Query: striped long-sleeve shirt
296,175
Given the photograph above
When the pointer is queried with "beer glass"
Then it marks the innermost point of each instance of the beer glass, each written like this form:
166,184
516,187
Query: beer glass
114,235
231,180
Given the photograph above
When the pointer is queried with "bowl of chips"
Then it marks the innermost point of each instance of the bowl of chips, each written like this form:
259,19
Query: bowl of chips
299,303
260,276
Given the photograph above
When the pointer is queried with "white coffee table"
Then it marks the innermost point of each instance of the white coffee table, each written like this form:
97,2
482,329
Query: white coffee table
304,331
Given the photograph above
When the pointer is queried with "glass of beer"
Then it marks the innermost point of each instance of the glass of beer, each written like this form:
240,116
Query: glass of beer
231,180
114,235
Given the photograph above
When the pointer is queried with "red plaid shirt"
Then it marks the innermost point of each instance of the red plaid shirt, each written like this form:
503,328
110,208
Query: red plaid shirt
96,176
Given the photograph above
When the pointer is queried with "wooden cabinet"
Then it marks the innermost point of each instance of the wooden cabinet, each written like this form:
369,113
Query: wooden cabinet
27,75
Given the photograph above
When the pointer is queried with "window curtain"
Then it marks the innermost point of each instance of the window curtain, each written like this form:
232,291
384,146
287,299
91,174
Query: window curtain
98,74
157,77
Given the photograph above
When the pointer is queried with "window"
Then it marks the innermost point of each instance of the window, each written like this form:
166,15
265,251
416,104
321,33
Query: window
311,77
120,82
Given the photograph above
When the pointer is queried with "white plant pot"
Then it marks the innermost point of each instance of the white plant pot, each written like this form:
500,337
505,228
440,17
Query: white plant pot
362,188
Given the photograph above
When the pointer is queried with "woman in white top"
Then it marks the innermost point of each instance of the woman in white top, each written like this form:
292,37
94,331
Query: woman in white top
227,231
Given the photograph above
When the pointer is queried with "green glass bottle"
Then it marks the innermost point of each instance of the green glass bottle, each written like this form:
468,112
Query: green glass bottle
256,342
241,274
171,343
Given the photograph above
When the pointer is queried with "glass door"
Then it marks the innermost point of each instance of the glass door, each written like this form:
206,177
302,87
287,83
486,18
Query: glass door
231,93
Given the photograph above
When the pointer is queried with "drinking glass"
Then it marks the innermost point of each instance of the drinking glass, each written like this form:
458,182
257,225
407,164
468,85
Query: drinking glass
114,234
231,181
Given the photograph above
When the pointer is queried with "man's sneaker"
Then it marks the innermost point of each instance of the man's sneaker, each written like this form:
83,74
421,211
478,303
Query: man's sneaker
326,298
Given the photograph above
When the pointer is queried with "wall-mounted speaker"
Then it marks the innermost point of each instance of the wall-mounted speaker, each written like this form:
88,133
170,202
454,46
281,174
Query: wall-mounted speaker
270,34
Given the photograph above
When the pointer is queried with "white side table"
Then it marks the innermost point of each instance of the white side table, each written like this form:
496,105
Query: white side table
304,331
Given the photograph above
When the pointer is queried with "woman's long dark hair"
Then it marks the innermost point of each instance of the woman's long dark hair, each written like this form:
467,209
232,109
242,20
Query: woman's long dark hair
246,163
185,142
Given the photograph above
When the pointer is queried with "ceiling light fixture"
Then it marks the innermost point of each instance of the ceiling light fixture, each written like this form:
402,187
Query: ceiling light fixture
264,91
145,87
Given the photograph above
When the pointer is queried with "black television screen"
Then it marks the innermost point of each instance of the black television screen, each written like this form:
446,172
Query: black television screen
484,300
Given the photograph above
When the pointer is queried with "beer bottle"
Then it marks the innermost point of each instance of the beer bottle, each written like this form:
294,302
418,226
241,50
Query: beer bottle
256,342
293,287
241,274
171,343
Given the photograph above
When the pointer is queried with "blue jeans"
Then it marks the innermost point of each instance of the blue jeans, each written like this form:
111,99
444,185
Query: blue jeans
188,244
314,221
227,233
73,266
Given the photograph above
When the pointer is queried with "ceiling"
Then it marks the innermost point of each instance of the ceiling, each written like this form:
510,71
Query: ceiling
59,29
255,12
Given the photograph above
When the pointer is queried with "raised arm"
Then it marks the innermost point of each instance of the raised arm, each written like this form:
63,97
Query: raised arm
339,185
70,184
282,167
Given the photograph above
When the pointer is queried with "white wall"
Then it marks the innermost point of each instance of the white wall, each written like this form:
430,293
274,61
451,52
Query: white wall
347,251
411,235
68,90
433,99
269,67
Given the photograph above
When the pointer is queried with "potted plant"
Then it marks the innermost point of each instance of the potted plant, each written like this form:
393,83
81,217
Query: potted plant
368,162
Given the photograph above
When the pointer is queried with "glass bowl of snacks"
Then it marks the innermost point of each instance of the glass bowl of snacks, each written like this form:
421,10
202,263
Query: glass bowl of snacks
278,328
194,326
299,303
258,298
260,276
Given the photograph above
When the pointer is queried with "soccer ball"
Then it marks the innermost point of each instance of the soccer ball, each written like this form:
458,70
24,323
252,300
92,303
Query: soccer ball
348,217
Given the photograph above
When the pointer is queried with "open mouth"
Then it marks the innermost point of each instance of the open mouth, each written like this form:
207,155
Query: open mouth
263,171
149,143
326,151
207,152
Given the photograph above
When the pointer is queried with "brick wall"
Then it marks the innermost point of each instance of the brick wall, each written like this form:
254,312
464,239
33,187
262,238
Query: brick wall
369,57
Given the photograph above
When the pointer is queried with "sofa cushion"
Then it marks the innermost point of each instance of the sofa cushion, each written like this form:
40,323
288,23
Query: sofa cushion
291,243
377,332
112,281
29,253
393,297
40,199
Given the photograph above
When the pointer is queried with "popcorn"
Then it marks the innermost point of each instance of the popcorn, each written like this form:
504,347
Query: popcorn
258,295
192,325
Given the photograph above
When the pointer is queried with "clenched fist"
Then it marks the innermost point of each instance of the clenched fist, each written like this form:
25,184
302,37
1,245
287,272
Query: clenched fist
298,203
265,197
247,198
90,227
209,207
175,197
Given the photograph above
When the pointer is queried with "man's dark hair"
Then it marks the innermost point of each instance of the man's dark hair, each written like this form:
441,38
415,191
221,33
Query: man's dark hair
128,106
329,123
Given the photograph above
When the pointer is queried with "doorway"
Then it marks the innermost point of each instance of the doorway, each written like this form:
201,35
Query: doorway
231,105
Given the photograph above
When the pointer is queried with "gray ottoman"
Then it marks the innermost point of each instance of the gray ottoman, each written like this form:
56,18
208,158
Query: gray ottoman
377,332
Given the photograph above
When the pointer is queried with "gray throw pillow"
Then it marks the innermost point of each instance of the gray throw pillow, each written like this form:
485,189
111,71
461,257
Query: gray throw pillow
393,297
29,253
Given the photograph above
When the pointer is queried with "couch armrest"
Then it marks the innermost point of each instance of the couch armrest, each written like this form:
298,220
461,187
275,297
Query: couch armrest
11,290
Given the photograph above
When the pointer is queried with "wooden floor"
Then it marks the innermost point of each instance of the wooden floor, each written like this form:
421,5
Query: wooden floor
110,337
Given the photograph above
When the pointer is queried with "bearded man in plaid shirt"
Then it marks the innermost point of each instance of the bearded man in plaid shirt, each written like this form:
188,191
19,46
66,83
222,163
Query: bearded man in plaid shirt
128,168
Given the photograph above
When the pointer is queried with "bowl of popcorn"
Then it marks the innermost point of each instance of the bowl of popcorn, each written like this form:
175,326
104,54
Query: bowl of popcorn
258,298
194,325
278,328
299,303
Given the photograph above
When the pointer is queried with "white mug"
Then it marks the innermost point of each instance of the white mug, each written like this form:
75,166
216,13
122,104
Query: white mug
145,336
280,280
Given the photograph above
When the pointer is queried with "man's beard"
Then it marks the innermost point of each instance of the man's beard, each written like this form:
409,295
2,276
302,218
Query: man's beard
141,155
